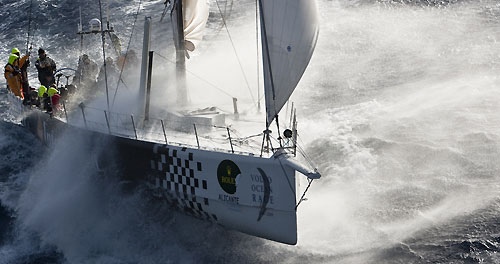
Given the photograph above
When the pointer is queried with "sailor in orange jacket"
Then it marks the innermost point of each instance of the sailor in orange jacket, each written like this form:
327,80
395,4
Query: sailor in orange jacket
13,74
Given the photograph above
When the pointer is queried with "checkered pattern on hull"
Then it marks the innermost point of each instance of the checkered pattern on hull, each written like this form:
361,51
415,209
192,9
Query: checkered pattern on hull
175,176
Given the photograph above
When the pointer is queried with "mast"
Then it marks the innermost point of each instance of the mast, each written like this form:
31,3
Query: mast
29,28
180,56
257,49
80,29
103,34
146,45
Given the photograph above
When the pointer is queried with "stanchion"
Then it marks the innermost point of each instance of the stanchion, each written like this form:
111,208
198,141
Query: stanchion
196,134
133,124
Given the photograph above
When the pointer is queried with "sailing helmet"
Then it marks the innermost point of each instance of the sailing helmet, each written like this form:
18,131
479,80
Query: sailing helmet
12,58
52,91
16,51
41,91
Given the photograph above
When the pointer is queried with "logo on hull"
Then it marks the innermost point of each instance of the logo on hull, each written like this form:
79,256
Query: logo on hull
227,172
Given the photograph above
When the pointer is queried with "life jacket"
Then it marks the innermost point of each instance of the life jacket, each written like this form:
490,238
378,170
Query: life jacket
9,67
14,65
41,91
52,91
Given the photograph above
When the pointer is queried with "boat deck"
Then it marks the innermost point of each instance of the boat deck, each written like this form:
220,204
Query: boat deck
215,131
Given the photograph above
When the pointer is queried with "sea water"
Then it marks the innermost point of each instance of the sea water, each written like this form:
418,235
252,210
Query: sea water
398,110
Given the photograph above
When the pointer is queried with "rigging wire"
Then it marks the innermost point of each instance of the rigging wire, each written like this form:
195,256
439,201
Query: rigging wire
302,198
286,177
234,49
304,153
197,76
126,54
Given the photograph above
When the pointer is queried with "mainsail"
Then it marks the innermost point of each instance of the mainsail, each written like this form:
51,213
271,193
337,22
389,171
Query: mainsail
195,14
289,33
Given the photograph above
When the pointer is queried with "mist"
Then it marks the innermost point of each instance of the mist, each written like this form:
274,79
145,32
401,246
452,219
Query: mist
398,109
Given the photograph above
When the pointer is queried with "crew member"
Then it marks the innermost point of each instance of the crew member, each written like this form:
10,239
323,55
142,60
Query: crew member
117,44
49,98
24,73
46,68
12,72
54,97
111,73
127,66
44,101
86,73
127,60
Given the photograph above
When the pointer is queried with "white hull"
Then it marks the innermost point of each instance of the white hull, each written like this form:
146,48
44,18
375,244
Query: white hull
254,195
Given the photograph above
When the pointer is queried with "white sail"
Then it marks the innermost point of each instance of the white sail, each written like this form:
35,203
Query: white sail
195,19
289,32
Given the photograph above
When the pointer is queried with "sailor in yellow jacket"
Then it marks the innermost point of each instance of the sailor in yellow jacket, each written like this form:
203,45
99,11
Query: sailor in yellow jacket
12,72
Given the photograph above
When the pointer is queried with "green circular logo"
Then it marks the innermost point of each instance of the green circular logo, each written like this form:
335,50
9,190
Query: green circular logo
226,174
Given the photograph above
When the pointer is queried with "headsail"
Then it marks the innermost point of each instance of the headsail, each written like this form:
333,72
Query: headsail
289,33
195,13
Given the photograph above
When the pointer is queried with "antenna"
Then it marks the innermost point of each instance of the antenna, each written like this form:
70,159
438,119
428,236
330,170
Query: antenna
80,29
107,13
29,28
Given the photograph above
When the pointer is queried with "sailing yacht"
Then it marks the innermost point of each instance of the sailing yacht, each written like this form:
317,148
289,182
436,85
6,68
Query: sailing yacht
254,193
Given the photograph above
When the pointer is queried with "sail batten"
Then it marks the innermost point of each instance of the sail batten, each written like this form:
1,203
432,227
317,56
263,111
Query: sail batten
289,29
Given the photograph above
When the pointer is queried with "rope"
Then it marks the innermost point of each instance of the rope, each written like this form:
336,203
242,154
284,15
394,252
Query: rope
235,53
197,76
126,54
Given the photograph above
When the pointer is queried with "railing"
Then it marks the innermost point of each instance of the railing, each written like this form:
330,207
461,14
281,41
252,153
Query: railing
186,129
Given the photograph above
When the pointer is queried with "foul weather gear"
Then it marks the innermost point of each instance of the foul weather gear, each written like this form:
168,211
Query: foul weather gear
49,98
111,72
46,68
85,75
127,61
12,73
117,44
